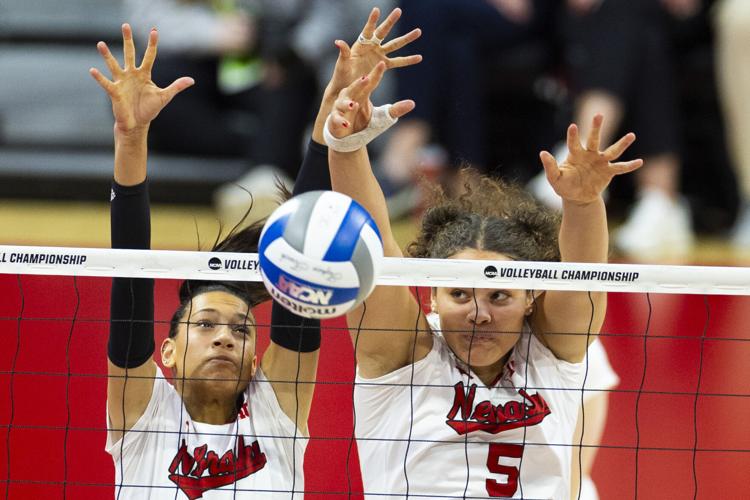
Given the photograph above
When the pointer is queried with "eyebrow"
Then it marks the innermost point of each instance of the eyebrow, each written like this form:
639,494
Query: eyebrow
242,317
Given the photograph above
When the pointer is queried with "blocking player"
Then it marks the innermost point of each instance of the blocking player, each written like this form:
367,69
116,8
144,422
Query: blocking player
479,399
226,422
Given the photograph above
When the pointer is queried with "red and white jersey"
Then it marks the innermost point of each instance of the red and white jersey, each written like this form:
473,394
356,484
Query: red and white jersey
434,430
601,377
167,455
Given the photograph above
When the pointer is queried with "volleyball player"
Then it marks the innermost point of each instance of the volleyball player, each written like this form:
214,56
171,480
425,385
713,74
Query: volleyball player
225,426
481,398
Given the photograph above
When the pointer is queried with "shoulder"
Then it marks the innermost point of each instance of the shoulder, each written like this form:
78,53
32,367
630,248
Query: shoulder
534,359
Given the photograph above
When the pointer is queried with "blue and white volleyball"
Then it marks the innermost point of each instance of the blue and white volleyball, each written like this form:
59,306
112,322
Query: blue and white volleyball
320,254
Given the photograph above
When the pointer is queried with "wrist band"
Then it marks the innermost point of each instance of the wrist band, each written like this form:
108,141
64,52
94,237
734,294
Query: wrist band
380,122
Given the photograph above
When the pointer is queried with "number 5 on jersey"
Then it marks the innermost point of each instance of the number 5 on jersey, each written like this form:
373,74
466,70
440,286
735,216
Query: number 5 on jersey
496,452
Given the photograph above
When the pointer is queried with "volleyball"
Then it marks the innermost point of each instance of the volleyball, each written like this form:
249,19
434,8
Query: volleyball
319,254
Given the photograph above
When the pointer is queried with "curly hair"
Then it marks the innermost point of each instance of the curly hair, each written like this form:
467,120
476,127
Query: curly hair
489,214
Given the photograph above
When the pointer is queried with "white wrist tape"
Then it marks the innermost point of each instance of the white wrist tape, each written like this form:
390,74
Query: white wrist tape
380,122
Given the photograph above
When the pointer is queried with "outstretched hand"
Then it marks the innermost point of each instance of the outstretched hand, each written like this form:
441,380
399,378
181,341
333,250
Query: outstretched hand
136,100
587,171
352,110
368,51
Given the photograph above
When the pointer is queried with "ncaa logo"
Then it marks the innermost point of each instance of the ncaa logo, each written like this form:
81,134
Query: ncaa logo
490,272
214,263
305,293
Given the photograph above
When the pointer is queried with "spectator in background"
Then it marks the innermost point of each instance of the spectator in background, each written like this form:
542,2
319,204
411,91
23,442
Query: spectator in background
459,37
733,72
619,62
250,88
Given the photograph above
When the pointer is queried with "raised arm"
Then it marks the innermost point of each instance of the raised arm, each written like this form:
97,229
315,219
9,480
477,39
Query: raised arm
291,360
295,341
381,327
580,180
136,101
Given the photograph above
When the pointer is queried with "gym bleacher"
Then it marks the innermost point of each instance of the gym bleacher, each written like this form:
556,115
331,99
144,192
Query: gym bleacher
56,123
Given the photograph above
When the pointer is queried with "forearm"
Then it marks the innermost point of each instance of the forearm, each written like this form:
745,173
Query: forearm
352,175
131,334
131,151
583,233
583,238
287,329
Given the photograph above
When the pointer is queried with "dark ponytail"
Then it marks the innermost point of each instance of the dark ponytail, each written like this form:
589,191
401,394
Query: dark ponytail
241,239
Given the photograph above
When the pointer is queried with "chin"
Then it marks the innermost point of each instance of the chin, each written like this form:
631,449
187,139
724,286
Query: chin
484,359
223,388
216,378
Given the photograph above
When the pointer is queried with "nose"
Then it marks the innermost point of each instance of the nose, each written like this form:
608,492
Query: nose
479,313
223,337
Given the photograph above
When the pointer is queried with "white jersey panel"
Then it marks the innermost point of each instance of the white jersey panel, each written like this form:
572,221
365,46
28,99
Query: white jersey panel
435,430
167,455
600,376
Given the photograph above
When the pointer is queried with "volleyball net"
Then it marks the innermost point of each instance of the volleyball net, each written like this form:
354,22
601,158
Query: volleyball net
677,338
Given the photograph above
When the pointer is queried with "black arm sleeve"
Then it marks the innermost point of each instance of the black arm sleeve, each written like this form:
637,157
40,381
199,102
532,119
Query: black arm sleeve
131,324
313,174
287,329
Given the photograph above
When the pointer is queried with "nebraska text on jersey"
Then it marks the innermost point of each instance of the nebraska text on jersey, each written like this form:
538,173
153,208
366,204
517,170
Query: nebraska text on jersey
167,455
434,431
188,469
491,418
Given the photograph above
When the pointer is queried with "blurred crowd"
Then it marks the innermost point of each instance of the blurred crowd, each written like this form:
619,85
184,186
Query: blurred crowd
499,81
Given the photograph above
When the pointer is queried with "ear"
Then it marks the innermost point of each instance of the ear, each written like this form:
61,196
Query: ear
433,300
168,352
254,367
531,297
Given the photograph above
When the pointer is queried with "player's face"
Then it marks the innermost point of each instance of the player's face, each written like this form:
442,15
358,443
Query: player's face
216,342
481,325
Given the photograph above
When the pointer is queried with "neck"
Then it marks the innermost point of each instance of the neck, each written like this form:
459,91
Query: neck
210,407
489,374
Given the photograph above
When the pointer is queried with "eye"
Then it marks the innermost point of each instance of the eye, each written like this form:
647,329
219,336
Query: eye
241,329
204,323
459,294
500,295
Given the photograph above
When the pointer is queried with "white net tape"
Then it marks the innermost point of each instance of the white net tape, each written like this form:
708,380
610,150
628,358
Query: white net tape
678,359
166,264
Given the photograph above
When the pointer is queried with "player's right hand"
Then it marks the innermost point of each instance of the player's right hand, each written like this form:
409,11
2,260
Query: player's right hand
352,110
136,100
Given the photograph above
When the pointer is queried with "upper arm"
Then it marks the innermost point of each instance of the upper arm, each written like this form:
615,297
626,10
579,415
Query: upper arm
389,331
292,376
567,322
128,394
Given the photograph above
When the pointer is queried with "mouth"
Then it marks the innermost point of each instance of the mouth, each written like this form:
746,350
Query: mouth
222,359
476,337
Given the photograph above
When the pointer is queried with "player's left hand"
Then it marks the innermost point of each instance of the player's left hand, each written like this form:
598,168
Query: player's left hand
587,171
